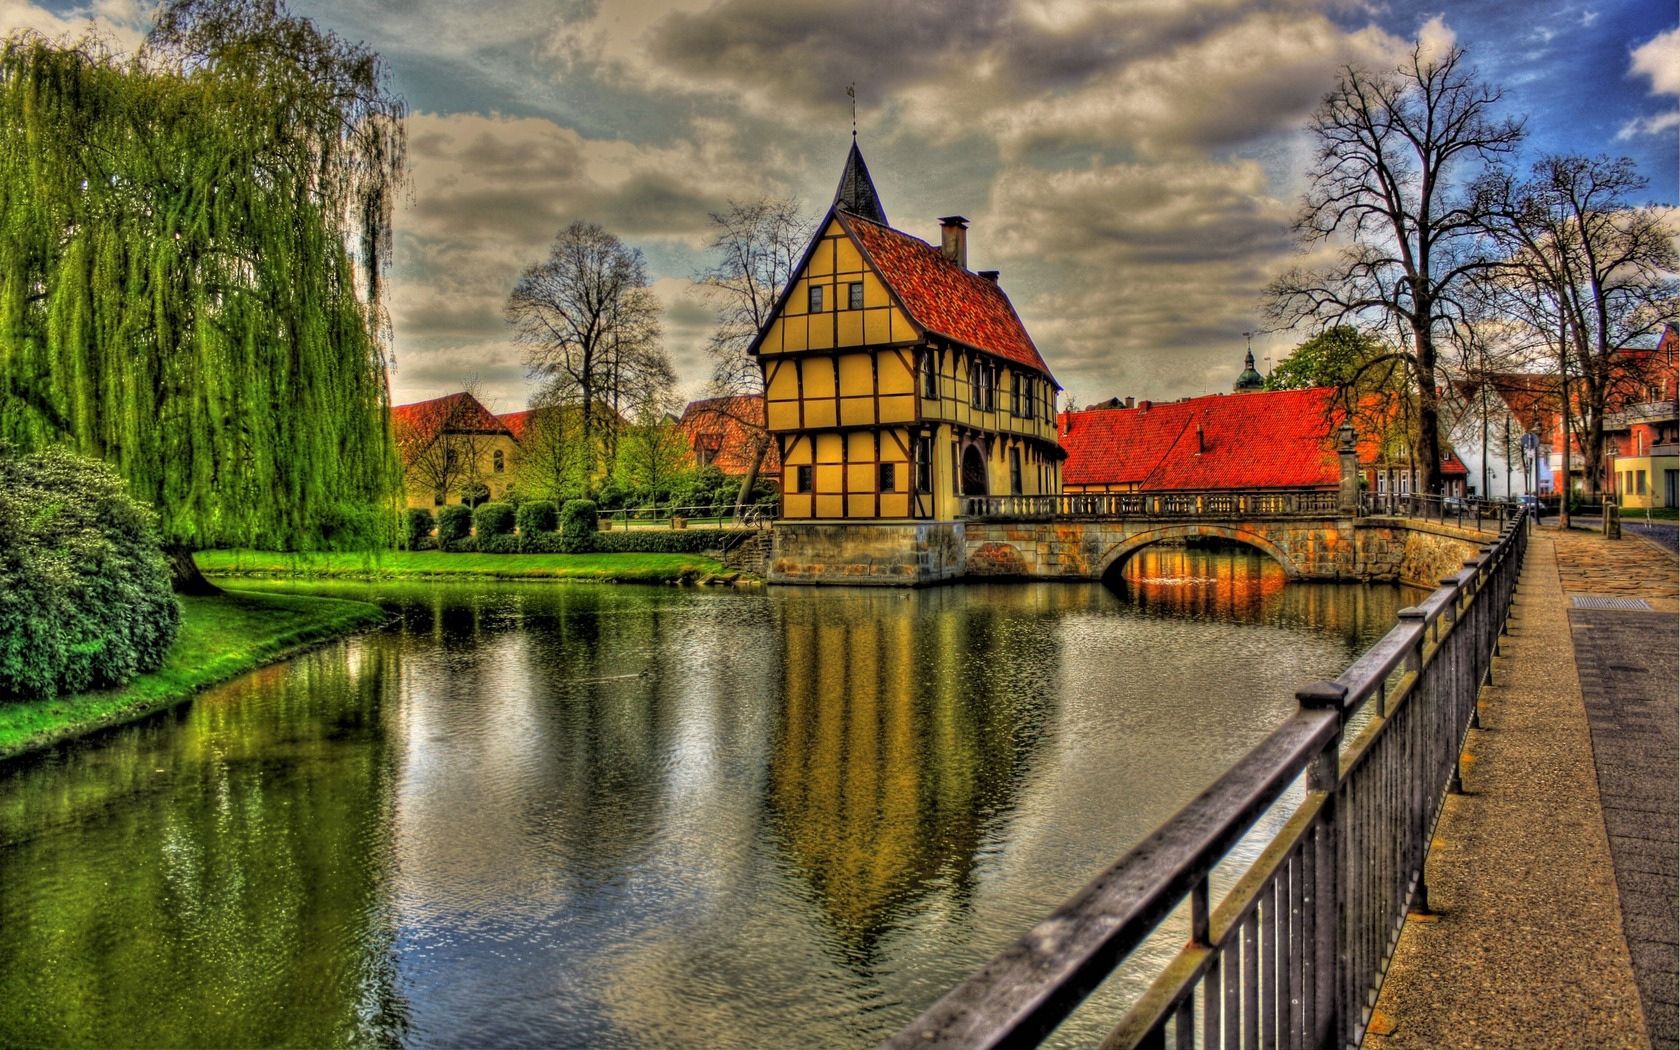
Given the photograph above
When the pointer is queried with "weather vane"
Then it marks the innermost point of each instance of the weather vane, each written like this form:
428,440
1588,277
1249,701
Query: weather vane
1250,337
851,93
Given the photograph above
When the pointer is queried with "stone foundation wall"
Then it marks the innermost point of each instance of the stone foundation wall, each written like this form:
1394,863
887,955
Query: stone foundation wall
890,555
1416,552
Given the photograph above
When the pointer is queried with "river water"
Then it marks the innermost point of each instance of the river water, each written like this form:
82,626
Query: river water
583,815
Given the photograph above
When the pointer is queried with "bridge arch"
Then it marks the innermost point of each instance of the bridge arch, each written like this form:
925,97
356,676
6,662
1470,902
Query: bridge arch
1119,552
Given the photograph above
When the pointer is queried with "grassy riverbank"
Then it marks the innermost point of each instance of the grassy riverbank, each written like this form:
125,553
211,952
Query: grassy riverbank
412,565
220,638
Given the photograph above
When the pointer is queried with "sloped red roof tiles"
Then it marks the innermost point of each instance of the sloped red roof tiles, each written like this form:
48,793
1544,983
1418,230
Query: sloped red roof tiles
516,422
725,426
944,298
1273,440
417,425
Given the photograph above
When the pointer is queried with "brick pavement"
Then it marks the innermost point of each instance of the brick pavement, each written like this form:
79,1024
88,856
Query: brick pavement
1629,664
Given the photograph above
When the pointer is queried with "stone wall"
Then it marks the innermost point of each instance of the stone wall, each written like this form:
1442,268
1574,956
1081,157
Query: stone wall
901,555
1416,552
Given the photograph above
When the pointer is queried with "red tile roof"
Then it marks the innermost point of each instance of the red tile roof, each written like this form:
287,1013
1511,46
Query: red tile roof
1278,439
942,297
516,422
417,425
728,427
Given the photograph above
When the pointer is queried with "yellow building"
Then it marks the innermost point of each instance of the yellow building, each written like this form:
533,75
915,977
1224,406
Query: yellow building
453,451
897,380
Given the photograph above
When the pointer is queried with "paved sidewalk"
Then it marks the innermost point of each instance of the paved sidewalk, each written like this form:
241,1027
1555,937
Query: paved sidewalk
1526,948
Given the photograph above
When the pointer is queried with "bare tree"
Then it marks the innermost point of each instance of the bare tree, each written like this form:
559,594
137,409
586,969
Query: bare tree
1394,149
757,248
1600,273
582,313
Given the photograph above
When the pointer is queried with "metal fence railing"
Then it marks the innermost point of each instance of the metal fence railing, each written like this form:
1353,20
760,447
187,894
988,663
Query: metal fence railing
1111,505
1464,511
1291,954
671,515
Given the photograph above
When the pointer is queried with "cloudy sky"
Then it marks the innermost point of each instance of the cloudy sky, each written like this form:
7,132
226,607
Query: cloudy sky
1131,167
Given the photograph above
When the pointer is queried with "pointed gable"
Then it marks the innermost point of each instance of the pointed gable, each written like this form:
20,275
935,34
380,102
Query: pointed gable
415,426
856,193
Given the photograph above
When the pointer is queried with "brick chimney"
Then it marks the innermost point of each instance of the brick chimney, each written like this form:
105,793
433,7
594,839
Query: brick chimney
953,239
1201,440
1129,401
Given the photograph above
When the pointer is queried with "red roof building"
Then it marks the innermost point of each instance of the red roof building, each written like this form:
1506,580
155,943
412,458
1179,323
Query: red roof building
1265,440
724,432
418,426
453,449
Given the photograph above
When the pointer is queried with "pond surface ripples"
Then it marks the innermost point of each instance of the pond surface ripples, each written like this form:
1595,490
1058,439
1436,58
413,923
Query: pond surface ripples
561,815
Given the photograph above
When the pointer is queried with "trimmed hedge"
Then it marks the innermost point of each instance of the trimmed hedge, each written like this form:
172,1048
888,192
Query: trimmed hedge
578,527
538,515
540,543
418,525
454,528
674,541
505,543
492,519
85,599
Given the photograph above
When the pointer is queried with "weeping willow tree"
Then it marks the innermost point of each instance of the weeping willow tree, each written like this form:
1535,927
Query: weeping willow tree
192,242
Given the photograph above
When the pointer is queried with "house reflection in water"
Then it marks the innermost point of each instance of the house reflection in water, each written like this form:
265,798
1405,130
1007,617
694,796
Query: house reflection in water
901,738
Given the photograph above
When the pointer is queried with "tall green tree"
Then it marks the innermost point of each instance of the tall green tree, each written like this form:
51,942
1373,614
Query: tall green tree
191,248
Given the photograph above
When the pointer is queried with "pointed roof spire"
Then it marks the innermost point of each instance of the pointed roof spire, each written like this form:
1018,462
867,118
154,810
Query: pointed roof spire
856,194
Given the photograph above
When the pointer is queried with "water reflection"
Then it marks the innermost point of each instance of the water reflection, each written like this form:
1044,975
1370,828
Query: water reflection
583,815
894,746
195,880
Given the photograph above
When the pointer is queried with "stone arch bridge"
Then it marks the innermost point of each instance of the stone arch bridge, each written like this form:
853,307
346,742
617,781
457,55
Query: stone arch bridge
1313,535
1084,537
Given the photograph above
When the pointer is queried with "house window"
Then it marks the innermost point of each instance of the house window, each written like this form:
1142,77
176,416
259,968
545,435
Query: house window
815,306
854,295
802,479
930,376
888,477
1015,391
924,464
498,462
1015,471
1641,484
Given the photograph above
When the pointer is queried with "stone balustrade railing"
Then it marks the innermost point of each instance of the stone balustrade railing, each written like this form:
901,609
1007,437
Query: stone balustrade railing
1104,506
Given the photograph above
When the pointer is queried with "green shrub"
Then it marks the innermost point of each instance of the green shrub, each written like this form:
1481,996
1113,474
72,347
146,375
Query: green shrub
492,519
85,597
538,515
454,528
578,527
660,541
417,532
504,543
540,543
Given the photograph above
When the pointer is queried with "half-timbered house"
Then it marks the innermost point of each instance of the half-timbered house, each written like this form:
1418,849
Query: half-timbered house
896,379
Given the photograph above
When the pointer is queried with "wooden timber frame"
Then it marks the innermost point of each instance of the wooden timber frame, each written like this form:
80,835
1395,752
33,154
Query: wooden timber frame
1293,954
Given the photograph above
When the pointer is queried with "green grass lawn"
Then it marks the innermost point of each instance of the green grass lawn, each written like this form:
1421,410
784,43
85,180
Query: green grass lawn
220,638
399,565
